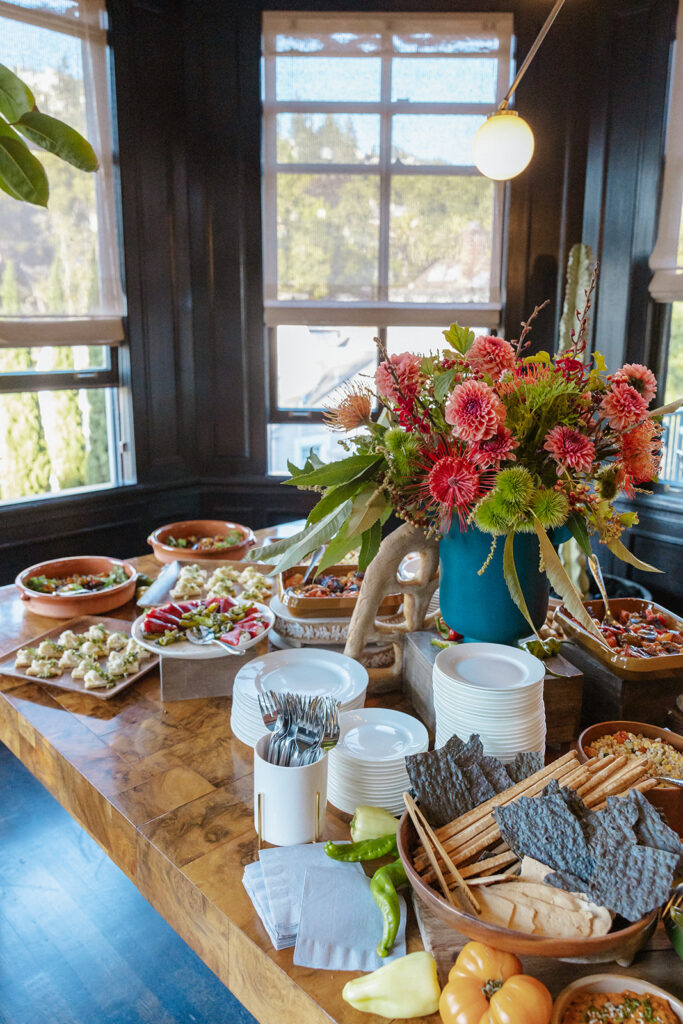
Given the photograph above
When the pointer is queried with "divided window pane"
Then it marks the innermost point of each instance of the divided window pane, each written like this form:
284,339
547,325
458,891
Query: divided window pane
314,361
328,79
328,138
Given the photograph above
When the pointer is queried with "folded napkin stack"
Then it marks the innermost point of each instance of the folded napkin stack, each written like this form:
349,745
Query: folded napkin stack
321,906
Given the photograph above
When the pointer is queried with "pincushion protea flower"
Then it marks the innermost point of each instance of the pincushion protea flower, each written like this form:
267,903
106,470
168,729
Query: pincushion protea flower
408,371
640,451
639,378
491,355
570,449
447,482
474,410
353,409
494,450
623,406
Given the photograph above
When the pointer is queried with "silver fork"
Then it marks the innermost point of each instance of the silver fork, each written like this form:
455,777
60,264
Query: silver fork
202,635
269,707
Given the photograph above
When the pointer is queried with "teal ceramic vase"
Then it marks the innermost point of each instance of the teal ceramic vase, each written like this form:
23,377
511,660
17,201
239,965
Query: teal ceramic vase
480,607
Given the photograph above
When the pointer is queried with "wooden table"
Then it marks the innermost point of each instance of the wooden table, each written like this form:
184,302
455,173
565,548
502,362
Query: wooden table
166,791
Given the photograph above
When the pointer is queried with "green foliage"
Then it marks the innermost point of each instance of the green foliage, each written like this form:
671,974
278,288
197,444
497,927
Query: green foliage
550,507
402,448
515,487
22,176
459,338
492,515
443,383
340,472
576,525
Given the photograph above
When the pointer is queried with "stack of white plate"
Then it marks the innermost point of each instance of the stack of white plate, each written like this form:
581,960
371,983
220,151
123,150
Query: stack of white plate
492,690
367,766
310,672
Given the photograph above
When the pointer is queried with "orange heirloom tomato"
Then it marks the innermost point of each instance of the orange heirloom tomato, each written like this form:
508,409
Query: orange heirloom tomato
486,986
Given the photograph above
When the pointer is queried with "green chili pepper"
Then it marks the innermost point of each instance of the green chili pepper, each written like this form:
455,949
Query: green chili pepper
383,888
366,849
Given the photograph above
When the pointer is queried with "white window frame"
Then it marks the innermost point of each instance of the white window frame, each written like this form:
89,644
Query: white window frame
382,312
87,21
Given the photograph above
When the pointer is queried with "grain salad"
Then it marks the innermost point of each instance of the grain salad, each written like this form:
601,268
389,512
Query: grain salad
618,1007
665,759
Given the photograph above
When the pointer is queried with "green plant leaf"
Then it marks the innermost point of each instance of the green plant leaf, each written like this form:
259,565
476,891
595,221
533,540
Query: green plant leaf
459,338
59,138
443,384
370,542
7,131
337,549
579,531
15,96
539,357
336,495
621,551
314,536
512,580
313,461
562,584
21,174
334,473
368,506
600,362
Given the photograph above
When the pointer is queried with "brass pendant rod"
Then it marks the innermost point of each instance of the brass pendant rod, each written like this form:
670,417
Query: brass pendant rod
532,53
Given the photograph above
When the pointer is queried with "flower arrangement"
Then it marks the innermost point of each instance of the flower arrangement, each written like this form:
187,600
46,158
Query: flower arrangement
501,440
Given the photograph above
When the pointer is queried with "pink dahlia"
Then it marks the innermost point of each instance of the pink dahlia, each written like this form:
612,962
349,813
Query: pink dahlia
639,378
623,406
408,377
640,451
474,410
494,450
491,355
570,449
454,483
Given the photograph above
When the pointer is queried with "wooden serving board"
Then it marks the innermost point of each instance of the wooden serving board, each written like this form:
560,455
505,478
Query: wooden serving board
65,682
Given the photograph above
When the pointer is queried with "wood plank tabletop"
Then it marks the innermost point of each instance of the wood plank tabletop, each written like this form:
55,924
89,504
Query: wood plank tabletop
167,792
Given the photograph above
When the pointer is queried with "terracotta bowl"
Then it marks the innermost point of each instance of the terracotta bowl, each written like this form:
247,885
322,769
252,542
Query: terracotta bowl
667,798
620,945
199,528
66,606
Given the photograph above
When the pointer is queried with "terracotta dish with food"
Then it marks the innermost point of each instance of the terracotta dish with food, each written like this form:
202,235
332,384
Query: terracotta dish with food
82,585
213,539
669,798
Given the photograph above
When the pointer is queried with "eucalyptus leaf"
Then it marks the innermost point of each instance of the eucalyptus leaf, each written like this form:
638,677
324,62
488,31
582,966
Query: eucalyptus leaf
59,138
321,533
22,175
579,531
370,542
15,96
512,580
337,549
562,584
443,384
368,506
335,473
335,497
621,551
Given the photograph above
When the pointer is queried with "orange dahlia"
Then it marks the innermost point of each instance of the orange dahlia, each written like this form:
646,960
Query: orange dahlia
474,411
640,451
623,406
406,378
638,377
494,450
491,355
570,449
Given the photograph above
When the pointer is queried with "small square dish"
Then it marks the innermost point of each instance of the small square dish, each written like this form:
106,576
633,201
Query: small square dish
332,593
110,646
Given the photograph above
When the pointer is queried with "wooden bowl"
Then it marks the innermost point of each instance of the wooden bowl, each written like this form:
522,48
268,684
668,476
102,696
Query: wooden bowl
667,798
664,666
199,528
65,606
620,945
336,606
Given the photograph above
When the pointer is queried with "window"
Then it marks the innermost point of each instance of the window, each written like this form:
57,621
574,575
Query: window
62,426
375,219
666,261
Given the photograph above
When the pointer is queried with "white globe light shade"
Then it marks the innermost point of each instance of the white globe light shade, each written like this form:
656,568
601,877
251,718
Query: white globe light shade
503,145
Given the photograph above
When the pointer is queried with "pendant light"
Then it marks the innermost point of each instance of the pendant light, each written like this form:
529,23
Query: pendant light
504,144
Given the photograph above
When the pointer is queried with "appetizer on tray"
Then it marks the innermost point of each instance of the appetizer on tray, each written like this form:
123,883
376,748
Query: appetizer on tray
236,623
205,538
332,593
82,585
223,581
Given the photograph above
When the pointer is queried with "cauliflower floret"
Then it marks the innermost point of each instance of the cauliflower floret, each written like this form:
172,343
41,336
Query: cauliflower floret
24,657
69,641
84,665
92,649
43,668
117,641
70,659
49,649
97,632
93,679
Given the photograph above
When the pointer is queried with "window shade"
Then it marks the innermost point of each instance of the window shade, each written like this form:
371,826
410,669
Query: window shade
667,257
66,259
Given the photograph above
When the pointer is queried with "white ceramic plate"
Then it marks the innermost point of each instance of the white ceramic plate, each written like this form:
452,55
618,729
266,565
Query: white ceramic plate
184,649
610,983
315,673
490,666
380,734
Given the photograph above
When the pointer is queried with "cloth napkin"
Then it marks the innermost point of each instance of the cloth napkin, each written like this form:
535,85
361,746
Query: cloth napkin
340,924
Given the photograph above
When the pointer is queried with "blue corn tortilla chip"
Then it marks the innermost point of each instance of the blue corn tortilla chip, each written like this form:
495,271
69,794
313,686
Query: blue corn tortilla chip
524,765
651,829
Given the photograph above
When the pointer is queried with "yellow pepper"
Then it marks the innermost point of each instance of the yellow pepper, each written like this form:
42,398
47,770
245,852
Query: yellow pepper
403,988
371,823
